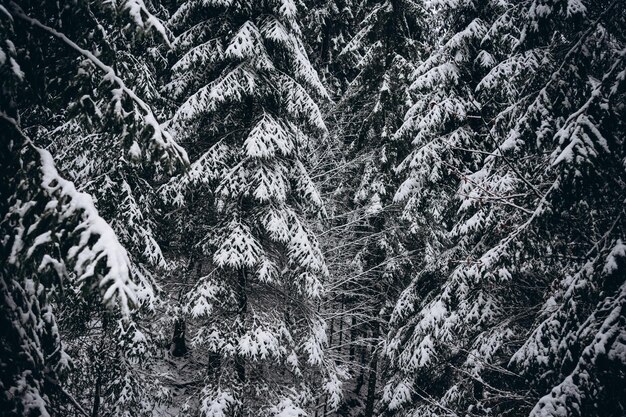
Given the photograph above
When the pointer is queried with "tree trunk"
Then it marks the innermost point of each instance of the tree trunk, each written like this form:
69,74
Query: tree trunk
179,345
361,378
353,333
96,395
240,365
371,382
340,330
330,332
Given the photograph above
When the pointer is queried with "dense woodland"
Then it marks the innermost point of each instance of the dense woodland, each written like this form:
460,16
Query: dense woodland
291,208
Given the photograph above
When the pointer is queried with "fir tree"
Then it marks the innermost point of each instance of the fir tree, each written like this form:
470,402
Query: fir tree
250,116
444,126
105,120
519,231
328,27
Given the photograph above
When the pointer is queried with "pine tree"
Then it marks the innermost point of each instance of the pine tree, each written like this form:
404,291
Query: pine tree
444,126
54,240
532,191
55,235
105,120
328,26
571,355
250,117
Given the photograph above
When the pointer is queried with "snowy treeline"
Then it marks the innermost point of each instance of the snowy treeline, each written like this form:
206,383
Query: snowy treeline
214,208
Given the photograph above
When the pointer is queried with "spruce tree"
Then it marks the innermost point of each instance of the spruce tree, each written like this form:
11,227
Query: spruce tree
522,274
109,134
445,128
328,27
250,116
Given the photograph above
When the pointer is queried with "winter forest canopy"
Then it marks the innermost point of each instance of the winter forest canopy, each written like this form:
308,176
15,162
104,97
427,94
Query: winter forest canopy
232,208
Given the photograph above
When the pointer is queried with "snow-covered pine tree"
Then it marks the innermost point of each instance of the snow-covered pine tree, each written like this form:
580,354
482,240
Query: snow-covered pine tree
101,130
443,125
53,235
110,142
445,128
383,50
251,119
53,241
540,230
569,129
328,27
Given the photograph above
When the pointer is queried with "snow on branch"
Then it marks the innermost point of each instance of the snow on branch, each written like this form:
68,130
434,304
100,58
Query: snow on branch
95,254
234,86
161,141
144,19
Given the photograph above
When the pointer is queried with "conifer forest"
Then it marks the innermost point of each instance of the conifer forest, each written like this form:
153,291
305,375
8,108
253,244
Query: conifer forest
312,208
